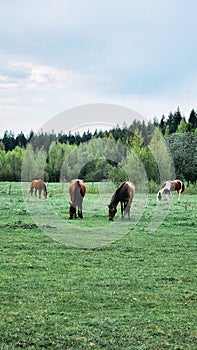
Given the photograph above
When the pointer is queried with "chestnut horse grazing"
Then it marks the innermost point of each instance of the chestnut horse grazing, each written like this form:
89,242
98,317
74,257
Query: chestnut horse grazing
77,191
169,186
124,194
38,185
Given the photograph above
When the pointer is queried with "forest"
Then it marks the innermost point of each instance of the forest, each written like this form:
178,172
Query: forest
139,151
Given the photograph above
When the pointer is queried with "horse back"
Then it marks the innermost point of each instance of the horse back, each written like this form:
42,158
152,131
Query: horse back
180,186
126,190
177,185
39,185
77,189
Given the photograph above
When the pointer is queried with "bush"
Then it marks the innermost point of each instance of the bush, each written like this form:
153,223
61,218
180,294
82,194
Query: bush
191,188
153,187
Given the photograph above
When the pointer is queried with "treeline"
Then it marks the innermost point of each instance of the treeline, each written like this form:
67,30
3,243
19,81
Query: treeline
144,152
173,123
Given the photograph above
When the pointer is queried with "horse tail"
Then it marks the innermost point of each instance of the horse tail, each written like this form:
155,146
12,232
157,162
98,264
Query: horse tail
183,188
82,189
76,190
45,189
133,189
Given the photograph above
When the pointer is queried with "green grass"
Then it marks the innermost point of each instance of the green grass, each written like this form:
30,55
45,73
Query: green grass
139,292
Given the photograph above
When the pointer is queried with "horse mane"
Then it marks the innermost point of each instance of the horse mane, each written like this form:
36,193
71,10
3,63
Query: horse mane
114,197
120,187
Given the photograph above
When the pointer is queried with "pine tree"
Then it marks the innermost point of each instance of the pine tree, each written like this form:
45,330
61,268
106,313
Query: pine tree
192,121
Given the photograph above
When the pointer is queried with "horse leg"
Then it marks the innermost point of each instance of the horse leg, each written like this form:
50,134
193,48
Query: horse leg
127,206
128,209
73,214
80,214
35,192
40,193
168,194
122,209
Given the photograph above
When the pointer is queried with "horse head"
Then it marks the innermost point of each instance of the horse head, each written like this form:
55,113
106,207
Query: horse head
159,196
112,211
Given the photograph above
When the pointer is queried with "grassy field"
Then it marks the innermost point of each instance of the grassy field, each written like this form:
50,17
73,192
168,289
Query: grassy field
137,292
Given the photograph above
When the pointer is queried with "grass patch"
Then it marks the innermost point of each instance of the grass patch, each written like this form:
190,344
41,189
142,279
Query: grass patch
137,293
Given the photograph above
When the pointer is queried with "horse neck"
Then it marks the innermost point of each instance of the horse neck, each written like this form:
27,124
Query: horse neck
167,185
115,199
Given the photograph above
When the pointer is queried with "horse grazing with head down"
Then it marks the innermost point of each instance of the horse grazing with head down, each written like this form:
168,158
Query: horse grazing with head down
38,185
124,194
77,191
170,186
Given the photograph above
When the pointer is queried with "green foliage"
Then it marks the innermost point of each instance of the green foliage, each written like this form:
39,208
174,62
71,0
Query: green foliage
56,166
191,188
182,127
33,164
152,187
184,151
96,170
135,171
2,165
28,172
118,174
192,121
2,147
174,121
101,155
159,150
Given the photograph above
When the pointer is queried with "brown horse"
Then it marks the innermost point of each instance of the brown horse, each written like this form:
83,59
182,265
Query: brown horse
124,194
38,185
169,186
77,191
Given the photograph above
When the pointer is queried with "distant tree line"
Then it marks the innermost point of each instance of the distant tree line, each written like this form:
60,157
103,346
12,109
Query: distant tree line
136,151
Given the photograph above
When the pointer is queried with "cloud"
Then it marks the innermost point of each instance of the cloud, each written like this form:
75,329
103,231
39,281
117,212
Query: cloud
26,75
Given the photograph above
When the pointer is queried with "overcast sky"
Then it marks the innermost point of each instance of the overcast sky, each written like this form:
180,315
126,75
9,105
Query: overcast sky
55,55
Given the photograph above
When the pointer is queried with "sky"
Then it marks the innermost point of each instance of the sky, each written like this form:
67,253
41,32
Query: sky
58,55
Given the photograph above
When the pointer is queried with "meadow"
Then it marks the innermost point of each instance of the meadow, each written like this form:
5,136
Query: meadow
134,290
